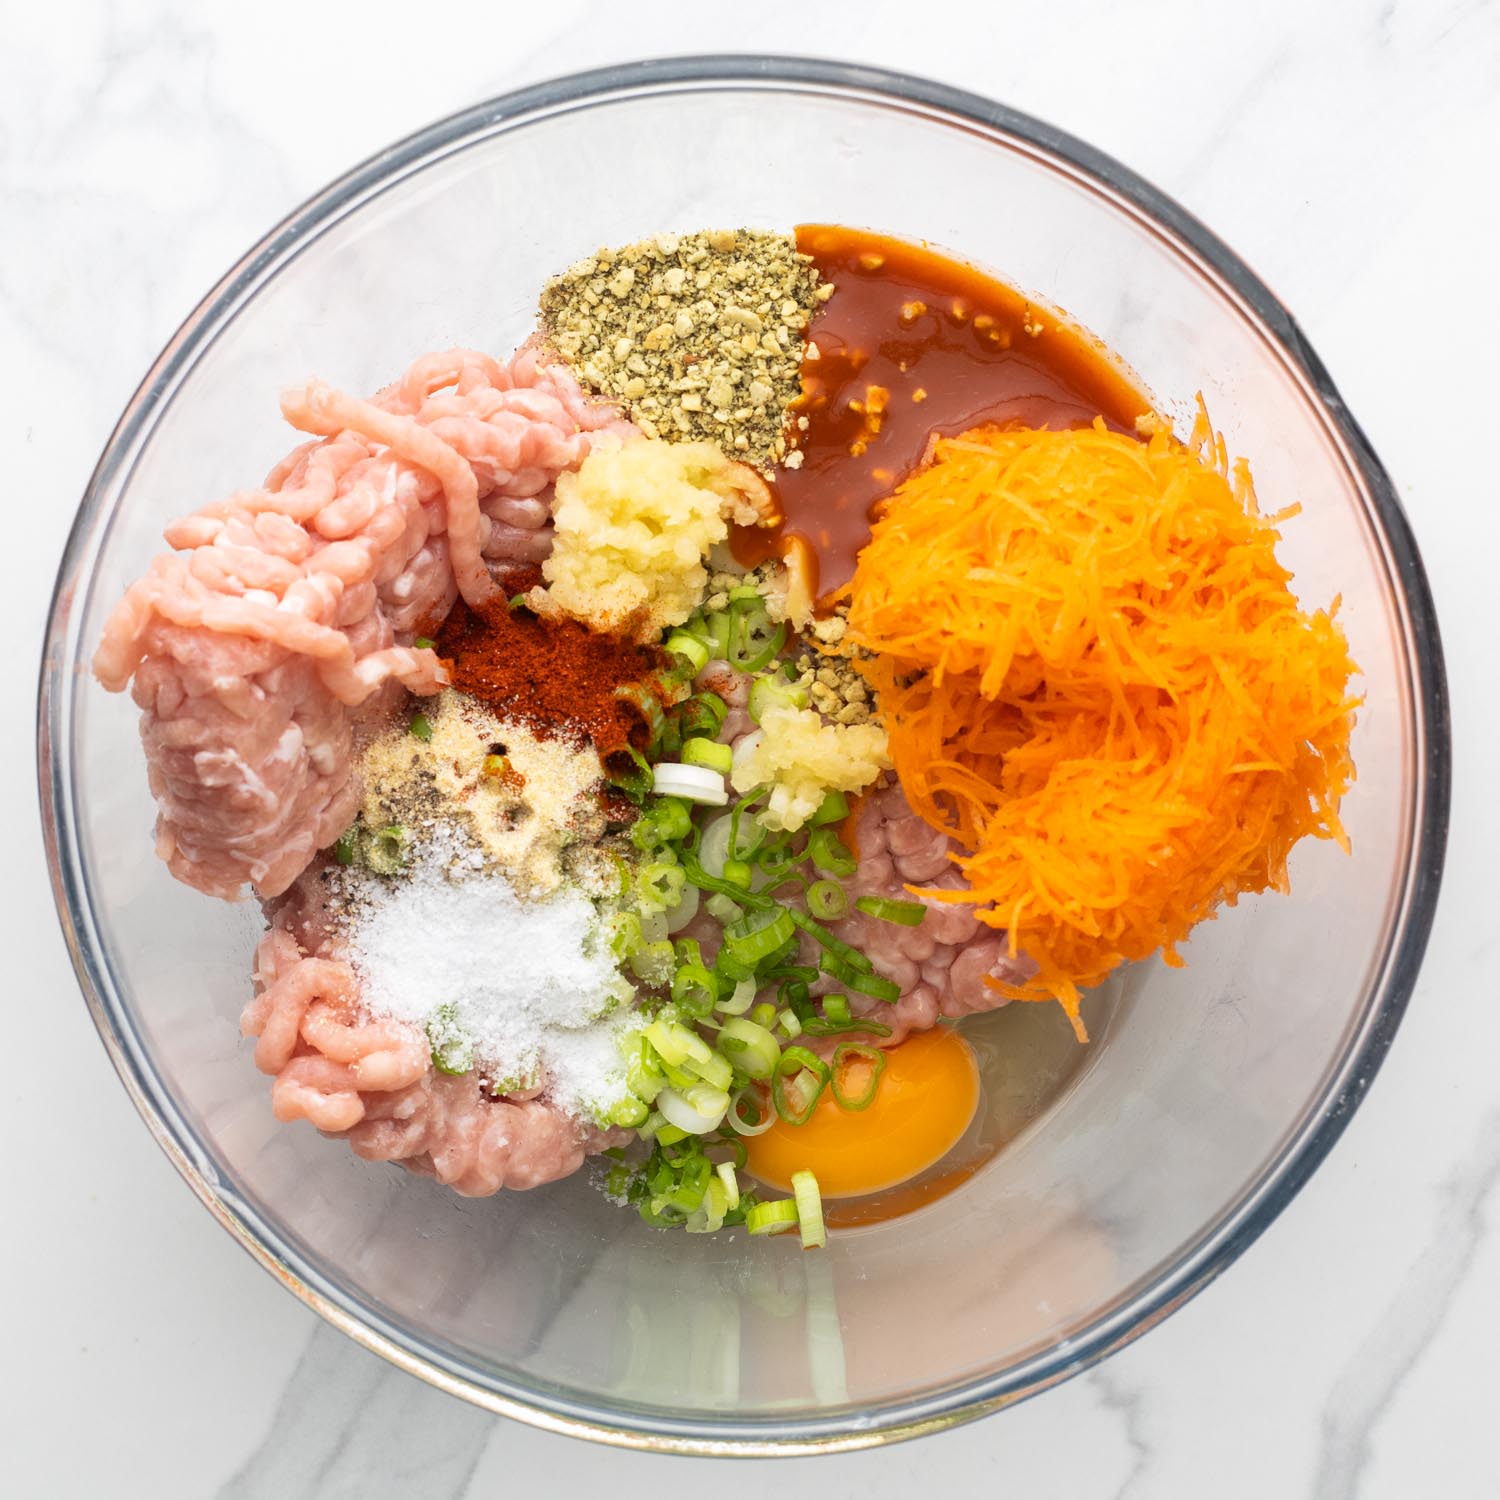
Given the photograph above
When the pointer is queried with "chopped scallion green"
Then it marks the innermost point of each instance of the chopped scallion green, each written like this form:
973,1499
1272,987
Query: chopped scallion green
827,900
757,935
834,808
751,1048
906,913
830,853
689,647
772,1218
699,751
809,1210
385,852
854,1061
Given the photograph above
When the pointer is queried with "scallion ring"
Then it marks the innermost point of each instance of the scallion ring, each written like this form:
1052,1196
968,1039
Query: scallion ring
855,1058
751,1048
757,935
809,1210
765,1115
906,913
828,901
792,1095
830,853
772,1218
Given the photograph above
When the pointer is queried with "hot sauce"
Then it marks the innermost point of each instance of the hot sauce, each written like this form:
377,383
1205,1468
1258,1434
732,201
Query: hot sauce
912,344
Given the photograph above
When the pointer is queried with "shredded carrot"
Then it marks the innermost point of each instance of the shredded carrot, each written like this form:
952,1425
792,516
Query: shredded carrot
1095,678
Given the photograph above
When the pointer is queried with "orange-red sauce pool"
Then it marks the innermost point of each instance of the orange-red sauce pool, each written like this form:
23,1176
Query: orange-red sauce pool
911,344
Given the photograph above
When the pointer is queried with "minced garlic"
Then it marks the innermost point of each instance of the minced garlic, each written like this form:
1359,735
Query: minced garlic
633,526
802,759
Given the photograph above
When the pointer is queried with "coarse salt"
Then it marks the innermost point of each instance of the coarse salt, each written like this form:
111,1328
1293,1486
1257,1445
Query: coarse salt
530,983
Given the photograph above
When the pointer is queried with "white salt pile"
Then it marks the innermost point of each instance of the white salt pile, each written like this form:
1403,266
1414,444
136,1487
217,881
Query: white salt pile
529,984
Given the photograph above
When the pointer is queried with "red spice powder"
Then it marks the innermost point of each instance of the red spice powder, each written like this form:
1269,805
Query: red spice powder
556,674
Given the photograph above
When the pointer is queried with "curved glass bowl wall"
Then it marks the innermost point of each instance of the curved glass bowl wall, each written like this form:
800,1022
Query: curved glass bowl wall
1214,1096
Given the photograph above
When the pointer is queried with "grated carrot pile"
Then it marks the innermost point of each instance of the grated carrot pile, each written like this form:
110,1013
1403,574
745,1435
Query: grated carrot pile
1095,678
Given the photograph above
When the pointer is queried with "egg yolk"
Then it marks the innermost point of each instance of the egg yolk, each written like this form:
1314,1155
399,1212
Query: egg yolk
923,1103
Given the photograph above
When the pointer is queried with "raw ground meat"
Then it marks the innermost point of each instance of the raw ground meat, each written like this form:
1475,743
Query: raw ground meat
264,643
372,1082
943,963
260,643
280,627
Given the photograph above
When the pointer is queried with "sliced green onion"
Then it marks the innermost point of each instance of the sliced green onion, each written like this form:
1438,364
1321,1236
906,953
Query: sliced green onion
809,1210
346,850
695,989
836,1009
822,1026
758,935
751,1048
827,900
705,752
667,820
452,1047
629,771
793,1070
622,931
722,909
689,647
716,1071
709,1218
385,852
774,691
700,877
876,986
790,1023
695,783
739,873
653,963
629,1112
907,913
765,1116
421,726
718,627
728,967
644,699
794,992
696,1112
675,1043
702,714
829,852
764,1014
423,643
726,1175
659,886
772,1218
834,808
864,1057
742,999
754,641
850,957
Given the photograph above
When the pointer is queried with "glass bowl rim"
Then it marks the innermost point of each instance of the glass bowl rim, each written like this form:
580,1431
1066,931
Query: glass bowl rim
1198,1261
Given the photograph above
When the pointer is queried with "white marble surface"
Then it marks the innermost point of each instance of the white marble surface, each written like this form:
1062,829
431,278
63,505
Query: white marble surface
1347,150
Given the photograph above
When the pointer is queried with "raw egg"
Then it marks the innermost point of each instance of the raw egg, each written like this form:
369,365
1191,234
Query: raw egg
923,1103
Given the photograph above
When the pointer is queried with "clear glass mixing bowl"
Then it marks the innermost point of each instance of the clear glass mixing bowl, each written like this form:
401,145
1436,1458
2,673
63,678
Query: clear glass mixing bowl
1218,1088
